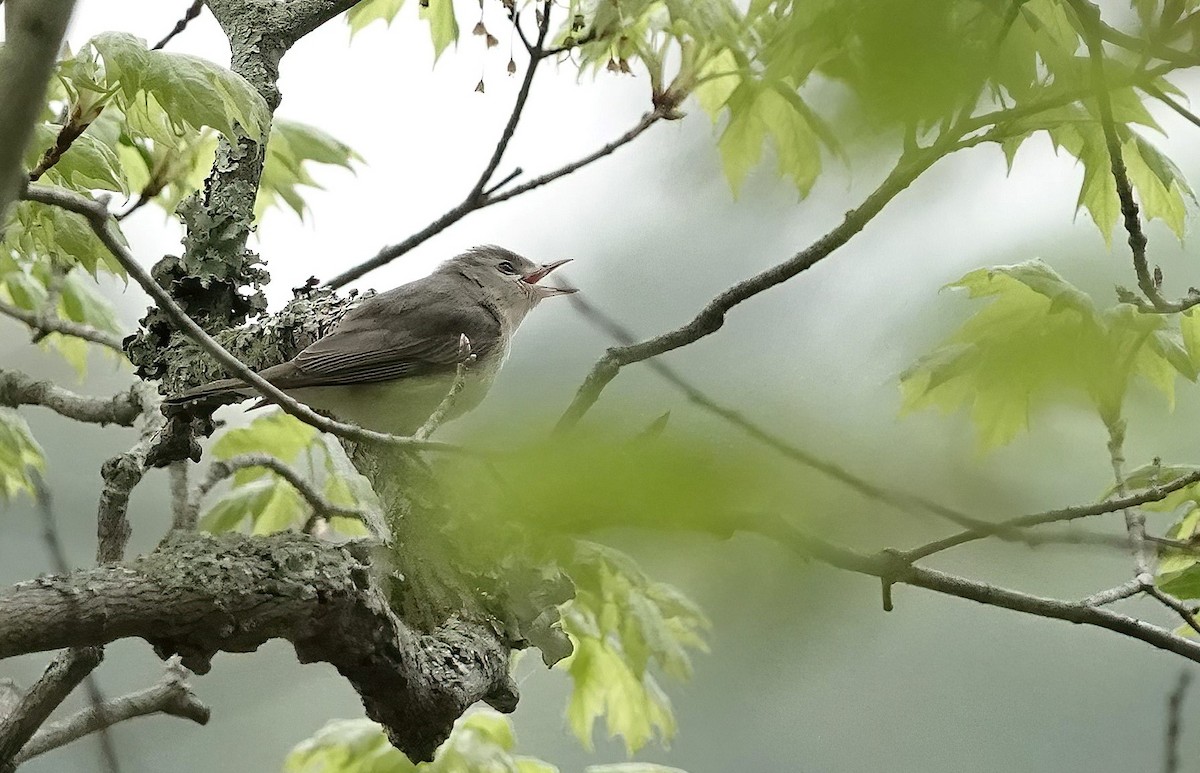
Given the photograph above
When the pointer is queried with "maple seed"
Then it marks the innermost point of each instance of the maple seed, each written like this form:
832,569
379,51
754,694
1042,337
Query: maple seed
624,65
612,66
479,88
479,29
512,66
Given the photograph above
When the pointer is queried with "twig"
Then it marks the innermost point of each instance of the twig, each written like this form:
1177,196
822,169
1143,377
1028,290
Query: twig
220,470
17,389
1174,604
1125,590
98,217
121,474
469,204
1089,19
1175,720
44,324
191,13
438,416
1153,494
172,695
56,683
58,560
67,135
178,472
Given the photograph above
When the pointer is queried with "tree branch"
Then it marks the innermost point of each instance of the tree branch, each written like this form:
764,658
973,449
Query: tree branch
98,218
18,389
44,324
201,594
172,695
1174,721
34,32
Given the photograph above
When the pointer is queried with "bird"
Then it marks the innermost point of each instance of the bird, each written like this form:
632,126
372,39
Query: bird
389,363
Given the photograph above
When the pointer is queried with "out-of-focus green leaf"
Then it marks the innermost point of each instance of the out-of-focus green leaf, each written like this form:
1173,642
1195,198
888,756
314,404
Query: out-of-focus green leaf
19,452
291,147
364,13
480,741
443,26
276,434
1037,341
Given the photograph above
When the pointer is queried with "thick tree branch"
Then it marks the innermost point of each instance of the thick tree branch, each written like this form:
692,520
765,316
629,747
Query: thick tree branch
34,32
17,389
172,695
200,594
98,218
44,324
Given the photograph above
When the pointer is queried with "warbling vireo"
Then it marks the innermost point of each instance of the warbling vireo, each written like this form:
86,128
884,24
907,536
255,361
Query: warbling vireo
389,362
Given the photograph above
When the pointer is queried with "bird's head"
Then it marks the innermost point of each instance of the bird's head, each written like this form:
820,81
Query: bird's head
507,277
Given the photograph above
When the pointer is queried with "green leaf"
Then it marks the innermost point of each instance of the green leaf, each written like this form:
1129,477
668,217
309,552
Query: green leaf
364,13
480,741
443,26
88,164
291,147
758,112
276,434
192,91
1037,342
19,453
271,505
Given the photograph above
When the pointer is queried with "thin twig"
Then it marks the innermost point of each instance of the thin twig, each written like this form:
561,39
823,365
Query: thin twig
172,695
1152,494
1089,19
1175,721
191,13
98,217
178,472
472,204
1125,590
60,564
1174,604
436,418
44,324
120,475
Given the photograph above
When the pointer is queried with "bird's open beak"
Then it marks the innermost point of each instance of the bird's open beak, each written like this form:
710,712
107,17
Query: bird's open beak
533,277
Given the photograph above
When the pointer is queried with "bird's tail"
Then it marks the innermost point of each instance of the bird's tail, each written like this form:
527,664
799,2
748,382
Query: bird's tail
226,389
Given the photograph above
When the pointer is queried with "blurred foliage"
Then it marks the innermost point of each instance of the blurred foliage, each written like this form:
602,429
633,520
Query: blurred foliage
481,742
19,453
1038,341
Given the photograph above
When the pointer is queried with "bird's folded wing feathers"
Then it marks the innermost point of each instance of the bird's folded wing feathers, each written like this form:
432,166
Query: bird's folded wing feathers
390,342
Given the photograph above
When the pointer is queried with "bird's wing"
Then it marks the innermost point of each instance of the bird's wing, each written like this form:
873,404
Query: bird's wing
411,331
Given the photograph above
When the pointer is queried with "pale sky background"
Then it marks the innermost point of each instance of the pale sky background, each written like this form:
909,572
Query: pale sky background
807,673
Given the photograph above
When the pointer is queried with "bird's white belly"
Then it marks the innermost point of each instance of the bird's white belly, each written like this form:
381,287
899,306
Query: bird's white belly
401,406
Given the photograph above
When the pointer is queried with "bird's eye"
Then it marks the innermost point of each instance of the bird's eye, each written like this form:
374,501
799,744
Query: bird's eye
506,267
